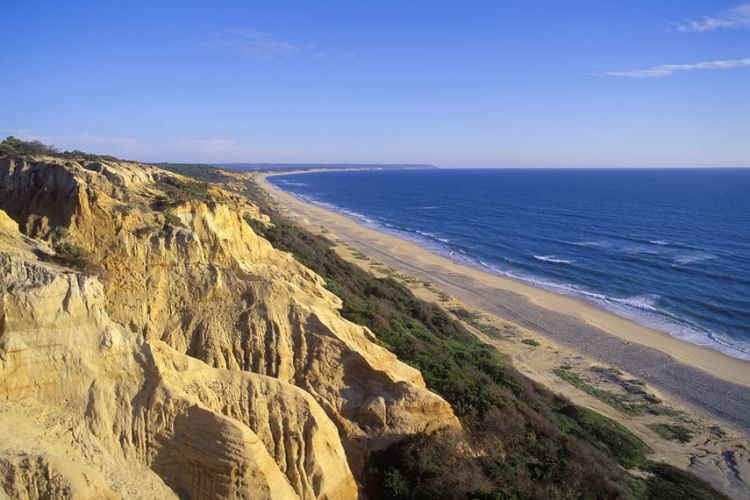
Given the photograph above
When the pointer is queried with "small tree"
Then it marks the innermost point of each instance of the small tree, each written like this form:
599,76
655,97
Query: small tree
12,145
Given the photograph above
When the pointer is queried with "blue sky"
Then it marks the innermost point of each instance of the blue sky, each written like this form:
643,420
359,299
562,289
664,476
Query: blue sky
461,83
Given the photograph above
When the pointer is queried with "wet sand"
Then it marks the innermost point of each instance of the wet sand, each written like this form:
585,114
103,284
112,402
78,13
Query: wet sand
710,382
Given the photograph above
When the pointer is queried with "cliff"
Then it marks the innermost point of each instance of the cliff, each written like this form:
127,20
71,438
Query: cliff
153,345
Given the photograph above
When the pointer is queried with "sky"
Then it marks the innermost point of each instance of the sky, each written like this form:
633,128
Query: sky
504,83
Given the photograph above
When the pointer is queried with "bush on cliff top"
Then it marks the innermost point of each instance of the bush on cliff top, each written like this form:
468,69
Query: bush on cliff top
12,146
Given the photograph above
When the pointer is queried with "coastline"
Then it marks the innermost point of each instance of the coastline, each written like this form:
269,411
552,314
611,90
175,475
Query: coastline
703,378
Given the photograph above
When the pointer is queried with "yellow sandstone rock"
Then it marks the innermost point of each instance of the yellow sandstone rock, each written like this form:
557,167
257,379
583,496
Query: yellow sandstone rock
190,359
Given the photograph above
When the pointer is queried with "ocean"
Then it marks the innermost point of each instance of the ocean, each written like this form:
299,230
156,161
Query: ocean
667,248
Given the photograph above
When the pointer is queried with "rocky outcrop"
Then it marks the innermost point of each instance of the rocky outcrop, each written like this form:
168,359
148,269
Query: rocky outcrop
188,357
205,432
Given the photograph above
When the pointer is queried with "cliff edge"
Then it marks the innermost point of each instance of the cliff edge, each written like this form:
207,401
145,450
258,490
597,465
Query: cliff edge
152,345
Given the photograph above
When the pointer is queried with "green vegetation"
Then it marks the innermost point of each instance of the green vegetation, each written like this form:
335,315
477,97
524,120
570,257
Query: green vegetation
68,253
672,432
667,482
177,191
532,443
614,400
473,319
173,220
606,434
12,146
198,171
531,342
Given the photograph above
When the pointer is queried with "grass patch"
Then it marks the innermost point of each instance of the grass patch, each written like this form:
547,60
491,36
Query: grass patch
613,400
531,342
609,436
667,482
473,319
176,191
670,432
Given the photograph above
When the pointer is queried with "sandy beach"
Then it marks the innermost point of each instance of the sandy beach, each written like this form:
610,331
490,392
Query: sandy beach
713,384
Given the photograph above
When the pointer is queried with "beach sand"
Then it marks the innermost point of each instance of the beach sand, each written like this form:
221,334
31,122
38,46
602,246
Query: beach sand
548,331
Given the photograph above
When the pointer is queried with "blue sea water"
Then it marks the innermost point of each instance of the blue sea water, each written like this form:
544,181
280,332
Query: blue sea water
668,248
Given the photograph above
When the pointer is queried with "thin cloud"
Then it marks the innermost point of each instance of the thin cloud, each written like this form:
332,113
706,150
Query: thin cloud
670,69
737,17
261,46
257,45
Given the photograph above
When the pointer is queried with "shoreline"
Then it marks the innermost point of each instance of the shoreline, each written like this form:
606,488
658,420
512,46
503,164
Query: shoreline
713,342
703,378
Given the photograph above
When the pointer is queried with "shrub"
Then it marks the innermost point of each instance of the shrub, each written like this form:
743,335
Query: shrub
7,149
668,482
17,147
173,220
614,400
606,434
176,191
68,253
672,432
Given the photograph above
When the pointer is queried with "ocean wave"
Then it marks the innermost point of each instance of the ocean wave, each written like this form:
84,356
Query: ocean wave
642,309
351,213
591,243
646,309
690,259
427,208
552,259
423,233
433,236
629,249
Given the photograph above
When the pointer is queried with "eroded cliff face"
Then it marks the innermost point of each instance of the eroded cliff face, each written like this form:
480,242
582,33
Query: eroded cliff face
187,357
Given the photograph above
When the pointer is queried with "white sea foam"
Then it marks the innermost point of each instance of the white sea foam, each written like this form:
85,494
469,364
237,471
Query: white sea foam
329,206
593,244
552,259
423,233
691,258
433,236
642,309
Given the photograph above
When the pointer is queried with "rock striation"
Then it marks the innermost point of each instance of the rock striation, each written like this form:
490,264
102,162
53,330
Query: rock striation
153,346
